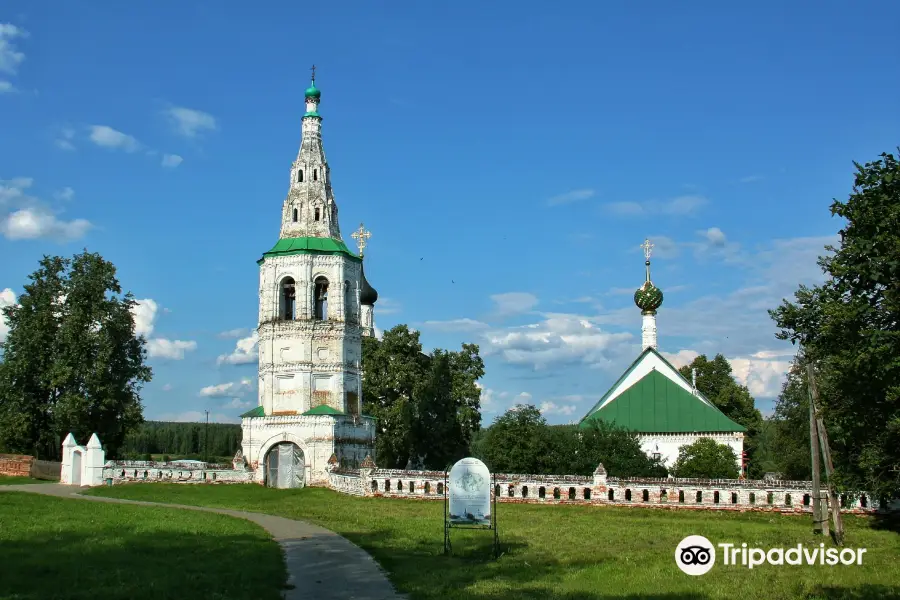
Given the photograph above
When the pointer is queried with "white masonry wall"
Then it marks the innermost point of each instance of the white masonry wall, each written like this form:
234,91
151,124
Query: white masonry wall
668,444
82,465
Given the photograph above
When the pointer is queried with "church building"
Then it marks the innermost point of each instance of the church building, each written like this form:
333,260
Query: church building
315,306
653,399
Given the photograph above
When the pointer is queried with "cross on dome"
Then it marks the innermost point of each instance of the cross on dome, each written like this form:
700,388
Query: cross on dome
314,73
648,248
361,235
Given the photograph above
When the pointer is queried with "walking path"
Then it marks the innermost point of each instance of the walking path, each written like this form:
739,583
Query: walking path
320,563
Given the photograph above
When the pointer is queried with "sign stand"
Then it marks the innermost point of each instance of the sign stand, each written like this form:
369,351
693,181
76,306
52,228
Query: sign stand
448,525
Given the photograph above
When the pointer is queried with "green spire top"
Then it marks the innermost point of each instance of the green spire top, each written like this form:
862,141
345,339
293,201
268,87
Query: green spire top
312,91
648,297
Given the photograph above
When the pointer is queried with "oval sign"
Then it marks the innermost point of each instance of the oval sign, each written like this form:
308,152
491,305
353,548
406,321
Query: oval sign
470,493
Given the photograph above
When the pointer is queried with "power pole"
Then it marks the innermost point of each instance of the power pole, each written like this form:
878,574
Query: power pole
833,499
206,440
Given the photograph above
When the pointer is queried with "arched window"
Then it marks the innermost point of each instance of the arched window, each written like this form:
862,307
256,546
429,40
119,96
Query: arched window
628,495
374,486
571,493
427,487
542,492
587,493
288,298
715,497
611,495
699,497
315,174
295,215
645,496
320,297
524,491
318,214
511,491
299,175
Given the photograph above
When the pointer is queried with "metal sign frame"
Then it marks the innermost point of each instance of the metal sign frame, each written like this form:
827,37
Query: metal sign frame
448,546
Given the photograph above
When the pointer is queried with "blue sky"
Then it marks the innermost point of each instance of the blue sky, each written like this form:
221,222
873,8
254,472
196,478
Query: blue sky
508,159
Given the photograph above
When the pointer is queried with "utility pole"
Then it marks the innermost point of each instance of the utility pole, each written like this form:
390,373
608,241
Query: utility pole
206,440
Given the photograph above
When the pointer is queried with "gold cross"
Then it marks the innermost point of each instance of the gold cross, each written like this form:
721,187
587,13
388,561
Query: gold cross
314,73
361,235
648,248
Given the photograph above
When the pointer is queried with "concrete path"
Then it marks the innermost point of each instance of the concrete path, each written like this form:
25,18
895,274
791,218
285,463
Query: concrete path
320,563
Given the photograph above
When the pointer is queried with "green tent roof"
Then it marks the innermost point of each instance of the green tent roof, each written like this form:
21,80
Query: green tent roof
256,412
308,245
323,409
656,404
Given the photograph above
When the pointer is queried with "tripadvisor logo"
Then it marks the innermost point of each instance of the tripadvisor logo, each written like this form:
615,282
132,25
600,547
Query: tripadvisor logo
696,555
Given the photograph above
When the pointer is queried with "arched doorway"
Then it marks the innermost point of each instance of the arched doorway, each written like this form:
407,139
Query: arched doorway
76,468
285,466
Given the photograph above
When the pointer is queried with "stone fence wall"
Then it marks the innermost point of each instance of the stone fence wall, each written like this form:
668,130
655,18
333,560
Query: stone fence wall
16,465
115,472
715,494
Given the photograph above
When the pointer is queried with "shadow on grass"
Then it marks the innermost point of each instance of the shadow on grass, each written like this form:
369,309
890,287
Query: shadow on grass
62,565
886,521
863,592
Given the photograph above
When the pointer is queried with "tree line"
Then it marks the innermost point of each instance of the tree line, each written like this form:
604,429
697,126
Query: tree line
182,440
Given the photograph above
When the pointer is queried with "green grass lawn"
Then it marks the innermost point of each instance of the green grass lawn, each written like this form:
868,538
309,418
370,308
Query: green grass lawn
13,480
569,552
72,549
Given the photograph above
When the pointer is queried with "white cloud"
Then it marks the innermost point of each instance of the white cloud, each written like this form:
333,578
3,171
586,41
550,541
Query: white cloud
551,408
64,194
171,160
573,196
171,349
6,87
64,141
167,387
560,339
108,137
761,373
513,303
234,333
681,358
714,236
14,189
189,122
455,325
678,206
227,390
10,57
240,404
144,313
245,351
7,298
35,223
388,306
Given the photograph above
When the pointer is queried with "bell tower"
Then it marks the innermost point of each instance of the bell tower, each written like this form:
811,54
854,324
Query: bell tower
312,299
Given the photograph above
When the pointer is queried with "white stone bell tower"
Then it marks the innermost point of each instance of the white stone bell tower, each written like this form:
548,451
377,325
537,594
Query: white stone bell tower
310,329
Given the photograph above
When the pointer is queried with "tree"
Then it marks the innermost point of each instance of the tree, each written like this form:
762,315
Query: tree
71,361
520,441
791,422
706,459
517,441
849,328
427,406
716,381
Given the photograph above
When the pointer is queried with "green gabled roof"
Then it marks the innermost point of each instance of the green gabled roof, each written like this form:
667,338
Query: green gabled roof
323,409
308,245
656,404
256,412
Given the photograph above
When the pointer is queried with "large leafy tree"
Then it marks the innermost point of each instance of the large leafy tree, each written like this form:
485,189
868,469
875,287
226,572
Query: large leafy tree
849,327
791,444
71,361
427,406
716,381
707,459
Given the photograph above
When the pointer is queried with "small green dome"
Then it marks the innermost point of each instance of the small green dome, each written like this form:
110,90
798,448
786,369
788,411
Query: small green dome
312,91
648,297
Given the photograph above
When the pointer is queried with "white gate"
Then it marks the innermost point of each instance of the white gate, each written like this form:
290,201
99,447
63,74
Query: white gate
76,468
285,466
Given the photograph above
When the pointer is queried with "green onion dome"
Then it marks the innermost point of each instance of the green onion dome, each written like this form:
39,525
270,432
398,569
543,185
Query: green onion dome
312,91
648,297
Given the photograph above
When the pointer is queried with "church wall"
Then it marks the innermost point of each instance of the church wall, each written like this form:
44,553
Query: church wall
668,444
